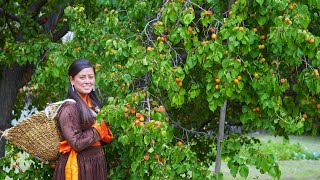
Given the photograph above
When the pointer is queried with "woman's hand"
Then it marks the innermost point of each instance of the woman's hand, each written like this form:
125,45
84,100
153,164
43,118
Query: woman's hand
104,131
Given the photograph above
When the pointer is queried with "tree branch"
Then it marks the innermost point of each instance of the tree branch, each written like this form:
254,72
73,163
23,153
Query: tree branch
60,33
4,2
53,19
17,37
180,58
36,6
200,128
12,17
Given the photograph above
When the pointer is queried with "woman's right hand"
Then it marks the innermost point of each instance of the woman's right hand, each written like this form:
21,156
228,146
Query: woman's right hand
104,131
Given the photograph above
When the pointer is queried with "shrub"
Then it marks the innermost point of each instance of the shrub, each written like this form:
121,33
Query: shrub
287,151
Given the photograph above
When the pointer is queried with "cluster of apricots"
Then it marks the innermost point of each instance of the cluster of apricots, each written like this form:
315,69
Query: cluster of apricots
236,80
179,82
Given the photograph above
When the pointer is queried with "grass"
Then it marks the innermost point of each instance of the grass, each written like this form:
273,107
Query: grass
291,170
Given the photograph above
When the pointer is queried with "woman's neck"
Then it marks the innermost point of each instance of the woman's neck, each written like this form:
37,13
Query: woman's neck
85,98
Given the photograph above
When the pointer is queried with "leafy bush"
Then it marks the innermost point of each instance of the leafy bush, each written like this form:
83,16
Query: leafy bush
241,151
286,151
19,165
205,149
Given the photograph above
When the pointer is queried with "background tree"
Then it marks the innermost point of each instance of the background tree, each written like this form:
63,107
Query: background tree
165,68
26,30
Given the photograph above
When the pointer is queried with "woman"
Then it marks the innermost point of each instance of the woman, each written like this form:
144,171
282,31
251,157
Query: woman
82,156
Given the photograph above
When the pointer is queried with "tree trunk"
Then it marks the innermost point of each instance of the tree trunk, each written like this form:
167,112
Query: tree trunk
220,138
11,80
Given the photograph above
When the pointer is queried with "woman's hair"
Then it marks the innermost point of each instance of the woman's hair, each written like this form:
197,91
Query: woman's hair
84,109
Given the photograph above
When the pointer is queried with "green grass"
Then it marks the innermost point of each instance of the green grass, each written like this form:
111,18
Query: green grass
291,170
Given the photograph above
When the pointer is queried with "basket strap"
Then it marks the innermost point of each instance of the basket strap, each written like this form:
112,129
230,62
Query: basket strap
93,113
66,100
3,134
60,104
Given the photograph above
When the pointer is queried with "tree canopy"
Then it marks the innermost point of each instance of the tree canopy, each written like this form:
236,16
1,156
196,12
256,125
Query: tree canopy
165,68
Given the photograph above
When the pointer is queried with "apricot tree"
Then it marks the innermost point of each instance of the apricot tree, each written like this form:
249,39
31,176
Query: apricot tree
165,68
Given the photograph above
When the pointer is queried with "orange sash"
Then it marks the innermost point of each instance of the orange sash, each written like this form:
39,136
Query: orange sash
71,169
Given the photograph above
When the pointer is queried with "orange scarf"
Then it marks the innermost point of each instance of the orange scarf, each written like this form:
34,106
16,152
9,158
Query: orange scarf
71,169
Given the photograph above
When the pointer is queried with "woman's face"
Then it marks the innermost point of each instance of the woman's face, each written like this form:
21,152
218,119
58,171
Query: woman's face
84,81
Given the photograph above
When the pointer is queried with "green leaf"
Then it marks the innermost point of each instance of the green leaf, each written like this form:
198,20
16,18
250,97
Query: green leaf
243,118
194,93
264,96
262,20
7,147
191,61
234,170
124,139
127,78
317,88
151,150
213,106
260,2
233,44
173,16
225,33
272,171
225,63
229,92
244,171
134,165
146,140
11,173
177,100
188,18
264,165
239,35
216,94
240,85
174,37
209,86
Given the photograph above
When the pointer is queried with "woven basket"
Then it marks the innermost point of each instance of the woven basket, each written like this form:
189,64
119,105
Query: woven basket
38,134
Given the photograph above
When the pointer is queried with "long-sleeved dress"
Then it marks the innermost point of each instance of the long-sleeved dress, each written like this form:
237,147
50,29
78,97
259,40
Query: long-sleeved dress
91,160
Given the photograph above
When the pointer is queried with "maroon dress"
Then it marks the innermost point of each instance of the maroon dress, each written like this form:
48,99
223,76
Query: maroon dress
91,160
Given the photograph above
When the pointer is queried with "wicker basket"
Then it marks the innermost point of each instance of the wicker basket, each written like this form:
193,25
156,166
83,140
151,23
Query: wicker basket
38,134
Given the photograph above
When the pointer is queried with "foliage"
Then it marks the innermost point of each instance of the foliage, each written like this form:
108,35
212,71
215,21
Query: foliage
175,63
242,151
288,151
205,147
19,165
146,148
